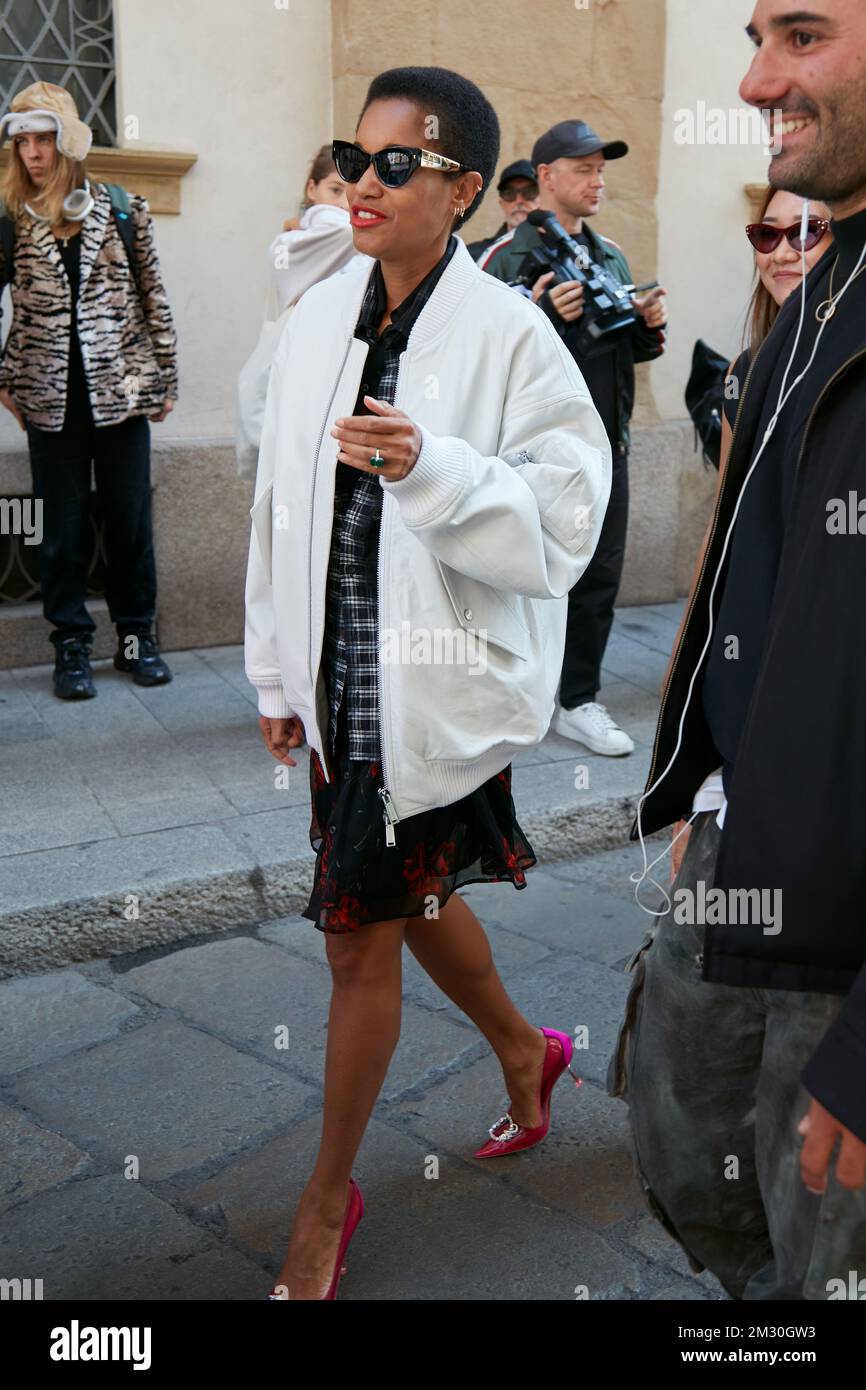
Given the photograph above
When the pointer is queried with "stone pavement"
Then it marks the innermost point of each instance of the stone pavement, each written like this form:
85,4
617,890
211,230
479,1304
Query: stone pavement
156,1138
144,817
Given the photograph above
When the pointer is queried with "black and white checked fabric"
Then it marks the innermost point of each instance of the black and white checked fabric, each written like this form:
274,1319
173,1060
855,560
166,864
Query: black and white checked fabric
351,647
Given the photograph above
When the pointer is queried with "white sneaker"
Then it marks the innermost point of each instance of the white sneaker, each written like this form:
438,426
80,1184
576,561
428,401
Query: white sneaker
591,725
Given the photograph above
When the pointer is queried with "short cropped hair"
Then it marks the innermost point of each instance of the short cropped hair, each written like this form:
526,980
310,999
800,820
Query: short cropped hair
467,123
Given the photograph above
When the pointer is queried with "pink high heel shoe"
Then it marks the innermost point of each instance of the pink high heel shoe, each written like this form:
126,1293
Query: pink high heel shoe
354,1212
507,1137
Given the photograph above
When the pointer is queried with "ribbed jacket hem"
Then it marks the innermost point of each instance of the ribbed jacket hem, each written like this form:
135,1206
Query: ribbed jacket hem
435,482
272,701
457,778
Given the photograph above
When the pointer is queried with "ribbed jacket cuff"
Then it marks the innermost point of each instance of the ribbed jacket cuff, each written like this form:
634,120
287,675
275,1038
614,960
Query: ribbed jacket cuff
436,481
272,701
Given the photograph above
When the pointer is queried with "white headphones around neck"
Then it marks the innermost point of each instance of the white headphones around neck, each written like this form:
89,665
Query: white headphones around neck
76,205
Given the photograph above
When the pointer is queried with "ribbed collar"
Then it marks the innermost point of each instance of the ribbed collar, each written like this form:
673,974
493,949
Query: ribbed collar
849,235
454,284
403,316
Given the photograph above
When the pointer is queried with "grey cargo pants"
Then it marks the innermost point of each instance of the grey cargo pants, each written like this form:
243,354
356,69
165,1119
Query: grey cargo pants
711,1077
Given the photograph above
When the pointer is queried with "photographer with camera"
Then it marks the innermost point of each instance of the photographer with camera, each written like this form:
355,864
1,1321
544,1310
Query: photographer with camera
582,282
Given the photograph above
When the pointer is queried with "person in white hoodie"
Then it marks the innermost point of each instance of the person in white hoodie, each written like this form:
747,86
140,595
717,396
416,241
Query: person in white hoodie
319,242
432,481
308,249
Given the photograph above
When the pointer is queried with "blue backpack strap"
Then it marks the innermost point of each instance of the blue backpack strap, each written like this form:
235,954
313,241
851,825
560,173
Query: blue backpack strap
123,221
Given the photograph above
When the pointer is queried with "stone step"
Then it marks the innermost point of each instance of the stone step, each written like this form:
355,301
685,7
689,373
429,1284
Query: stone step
24,634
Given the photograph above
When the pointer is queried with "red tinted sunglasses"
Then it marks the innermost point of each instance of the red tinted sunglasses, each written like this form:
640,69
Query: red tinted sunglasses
765,237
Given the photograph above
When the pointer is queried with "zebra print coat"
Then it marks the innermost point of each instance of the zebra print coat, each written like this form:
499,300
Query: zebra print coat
127,336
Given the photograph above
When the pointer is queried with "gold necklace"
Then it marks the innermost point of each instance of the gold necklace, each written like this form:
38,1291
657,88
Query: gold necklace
829,305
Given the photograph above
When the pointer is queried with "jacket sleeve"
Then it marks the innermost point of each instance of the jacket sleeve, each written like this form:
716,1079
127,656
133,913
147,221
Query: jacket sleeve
647,343
154,300
527,519
261,659
836,1072
321,245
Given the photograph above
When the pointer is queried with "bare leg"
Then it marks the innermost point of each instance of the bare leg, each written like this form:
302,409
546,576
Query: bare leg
363,1029
455,952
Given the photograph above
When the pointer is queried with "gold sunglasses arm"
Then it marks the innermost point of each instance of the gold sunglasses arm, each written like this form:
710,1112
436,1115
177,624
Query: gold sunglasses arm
431,160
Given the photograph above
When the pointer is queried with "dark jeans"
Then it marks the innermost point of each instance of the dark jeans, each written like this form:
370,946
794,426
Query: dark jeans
590,602
711,1074
60,463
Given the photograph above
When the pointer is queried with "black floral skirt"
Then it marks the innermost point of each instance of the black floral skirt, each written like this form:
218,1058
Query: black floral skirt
358,878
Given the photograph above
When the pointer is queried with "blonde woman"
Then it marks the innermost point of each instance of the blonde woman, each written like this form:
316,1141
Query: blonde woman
90,358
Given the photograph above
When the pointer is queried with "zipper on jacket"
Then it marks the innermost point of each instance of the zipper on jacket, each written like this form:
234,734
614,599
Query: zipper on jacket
388,810
681,643
759,679
825,389
391,817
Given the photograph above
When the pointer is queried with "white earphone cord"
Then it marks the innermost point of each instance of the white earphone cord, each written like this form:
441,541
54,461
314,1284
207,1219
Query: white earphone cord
634,878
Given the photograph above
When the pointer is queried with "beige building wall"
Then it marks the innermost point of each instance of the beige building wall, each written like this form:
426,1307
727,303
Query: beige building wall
705,261
538,62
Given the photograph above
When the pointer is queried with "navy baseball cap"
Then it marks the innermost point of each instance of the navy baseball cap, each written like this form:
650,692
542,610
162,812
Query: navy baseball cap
520,169
570,140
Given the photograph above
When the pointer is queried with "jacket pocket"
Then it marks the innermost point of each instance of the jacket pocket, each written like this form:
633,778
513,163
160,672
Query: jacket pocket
618,1067
480,609
263,521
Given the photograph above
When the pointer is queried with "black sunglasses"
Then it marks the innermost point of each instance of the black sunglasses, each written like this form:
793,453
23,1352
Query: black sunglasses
765,237
394,165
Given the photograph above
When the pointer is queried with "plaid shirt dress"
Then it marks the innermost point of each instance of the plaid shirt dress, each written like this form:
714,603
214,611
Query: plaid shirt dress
477,839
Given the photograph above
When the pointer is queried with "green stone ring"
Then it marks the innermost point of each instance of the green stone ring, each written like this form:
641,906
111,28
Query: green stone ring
377,460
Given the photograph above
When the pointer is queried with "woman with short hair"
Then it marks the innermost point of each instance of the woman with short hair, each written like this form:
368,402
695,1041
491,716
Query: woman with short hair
432,481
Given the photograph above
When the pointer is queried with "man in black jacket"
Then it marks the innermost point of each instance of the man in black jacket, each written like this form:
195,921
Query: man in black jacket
745,1029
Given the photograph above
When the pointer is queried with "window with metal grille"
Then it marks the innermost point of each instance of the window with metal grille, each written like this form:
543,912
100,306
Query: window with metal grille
19,558
69,43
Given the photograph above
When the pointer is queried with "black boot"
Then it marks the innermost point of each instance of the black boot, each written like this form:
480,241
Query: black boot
73,678
148,668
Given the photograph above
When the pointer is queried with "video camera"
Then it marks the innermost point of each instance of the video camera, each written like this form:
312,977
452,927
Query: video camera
607,306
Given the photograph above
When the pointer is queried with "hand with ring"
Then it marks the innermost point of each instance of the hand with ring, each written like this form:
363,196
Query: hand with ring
387,441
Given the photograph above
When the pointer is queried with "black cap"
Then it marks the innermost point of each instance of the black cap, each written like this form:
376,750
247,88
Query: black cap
570,140
520,169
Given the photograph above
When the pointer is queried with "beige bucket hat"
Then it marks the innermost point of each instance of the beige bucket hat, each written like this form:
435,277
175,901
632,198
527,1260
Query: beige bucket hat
42,106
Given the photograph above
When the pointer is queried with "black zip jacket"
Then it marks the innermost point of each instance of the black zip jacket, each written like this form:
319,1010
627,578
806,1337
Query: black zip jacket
796,817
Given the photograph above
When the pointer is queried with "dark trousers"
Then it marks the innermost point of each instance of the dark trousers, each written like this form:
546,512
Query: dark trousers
590,602
60,463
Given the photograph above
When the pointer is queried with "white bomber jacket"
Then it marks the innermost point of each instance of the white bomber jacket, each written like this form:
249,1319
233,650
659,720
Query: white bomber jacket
480,542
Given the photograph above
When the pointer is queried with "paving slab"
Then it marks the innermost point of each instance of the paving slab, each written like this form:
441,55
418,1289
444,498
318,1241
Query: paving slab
34,1159
43,1017
110,1239
167,1096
